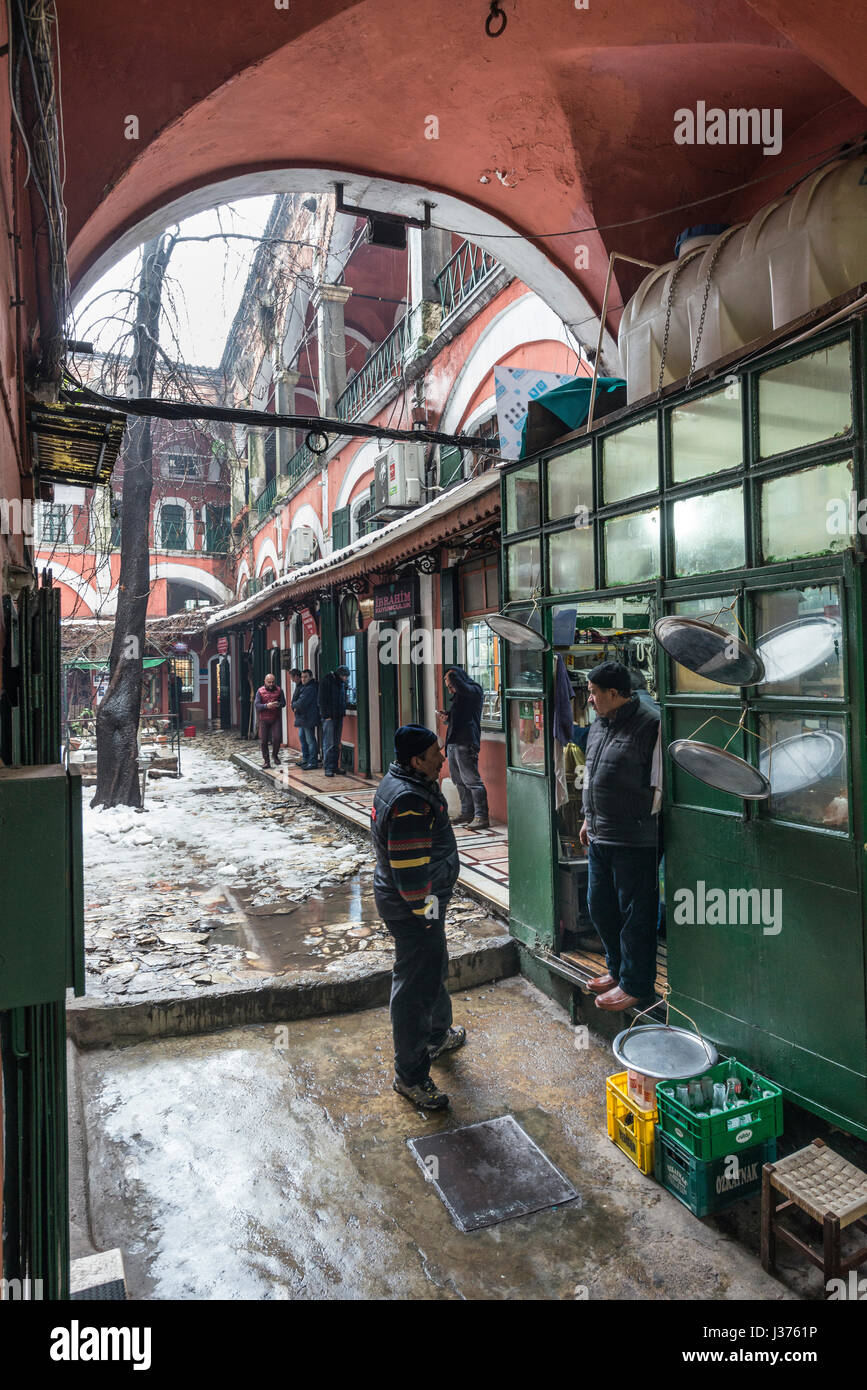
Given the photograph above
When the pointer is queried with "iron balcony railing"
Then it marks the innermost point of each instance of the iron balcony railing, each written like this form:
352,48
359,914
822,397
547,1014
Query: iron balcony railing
462,274
384,365
265,500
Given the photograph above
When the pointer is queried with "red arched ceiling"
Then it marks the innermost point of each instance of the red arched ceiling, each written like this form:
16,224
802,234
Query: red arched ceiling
573,107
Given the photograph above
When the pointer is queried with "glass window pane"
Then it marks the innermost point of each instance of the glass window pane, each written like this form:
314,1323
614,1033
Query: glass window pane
799,634
709,532
522,499
348,657
716,610
473,590
808,770
707,435
805,401
492,585
527,734
798,512
525,569
483,665
570,560
570,483
631,545
630,462
524,666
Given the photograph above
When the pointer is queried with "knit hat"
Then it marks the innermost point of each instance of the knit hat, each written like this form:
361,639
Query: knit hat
411,741
342,670
611,676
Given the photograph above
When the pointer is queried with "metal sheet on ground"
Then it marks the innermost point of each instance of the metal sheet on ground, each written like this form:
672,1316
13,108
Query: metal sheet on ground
490,1172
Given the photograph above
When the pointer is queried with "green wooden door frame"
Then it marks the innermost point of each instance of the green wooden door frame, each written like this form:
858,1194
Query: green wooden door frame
362,698
387,704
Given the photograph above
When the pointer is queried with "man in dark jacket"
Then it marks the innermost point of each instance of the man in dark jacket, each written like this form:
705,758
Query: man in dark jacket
269,702
332,707
305,706
416,870
463,740
620,830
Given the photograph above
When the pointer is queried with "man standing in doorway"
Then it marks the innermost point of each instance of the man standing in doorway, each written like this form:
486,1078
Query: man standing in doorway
416,870
463,741
621,781
332,707
305,706
269,702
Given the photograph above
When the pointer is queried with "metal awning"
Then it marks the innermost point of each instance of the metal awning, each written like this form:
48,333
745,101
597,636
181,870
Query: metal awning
147,663
76,444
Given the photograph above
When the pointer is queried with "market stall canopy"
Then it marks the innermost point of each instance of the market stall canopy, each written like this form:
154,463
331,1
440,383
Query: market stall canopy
565,408
147,663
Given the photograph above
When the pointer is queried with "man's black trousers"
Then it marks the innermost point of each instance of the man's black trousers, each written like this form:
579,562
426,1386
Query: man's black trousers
421,1010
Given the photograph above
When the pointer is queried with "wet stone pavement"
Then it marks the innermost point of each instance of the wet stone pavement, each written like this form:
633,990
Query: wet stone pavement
224,880
270,1162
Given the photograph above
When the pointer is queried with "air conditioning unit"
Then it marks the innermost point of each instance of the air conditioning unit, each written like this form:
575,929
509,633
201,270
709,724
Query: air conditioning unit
302,545
398,477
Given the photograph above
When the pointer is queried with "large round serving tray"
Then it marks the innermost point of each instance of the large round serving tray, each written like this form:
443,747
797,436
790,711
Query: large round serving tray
708,650
802,760
664,1053
518,633
718,768
797,647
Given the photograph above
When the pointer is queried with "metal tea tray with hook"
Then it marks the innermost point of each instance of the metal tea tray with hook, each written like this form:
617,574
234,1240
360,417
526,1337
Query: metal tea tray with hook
663,1052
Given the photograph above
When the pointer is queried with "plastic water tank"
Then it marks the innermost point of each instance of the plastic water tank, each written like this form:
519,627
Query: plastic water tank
795,254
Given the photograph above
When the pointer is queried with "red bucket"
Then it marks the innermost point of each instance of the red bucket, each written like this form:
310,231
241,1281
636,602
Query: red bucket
190,731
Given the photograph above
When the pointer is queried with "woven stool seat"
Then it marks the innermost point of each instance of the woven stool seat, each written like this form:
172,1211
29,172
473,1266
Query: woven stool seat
828,1188
822,1183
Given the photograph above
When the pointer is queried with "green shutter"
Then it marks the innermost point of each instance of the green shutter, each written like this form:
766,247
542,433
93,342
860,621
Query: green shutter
451,464
340,528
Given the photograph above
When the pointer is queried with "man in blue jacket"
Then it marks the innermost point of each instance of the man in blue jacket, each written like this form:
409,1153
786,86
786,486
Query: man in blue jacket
463,740
332,707
305,706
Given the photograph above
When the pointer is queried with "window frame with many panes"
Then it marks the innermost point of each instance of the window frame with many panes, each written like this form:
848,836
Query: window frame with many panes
613,524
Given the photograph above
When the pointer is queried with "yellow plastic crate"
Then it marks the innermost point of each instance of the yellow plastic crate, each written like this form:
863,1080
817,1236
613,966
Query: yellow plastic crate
629,1127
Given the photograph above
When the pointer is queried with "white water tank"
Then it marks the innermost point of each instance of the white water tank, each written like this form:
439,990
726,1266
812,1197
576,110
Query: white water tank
794,255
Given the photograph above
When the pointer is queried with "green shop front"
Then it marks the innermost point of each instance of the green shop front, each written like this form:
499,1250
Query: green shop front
736,500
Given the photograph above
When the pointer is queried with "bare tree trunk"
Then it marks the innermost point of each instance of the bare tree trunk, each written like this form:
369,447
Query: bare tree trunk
117,719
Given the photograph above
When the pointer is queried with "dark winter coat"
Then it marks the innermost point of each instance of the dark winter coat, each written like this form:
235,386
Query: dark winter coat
305,705
618,796
332,696
465,712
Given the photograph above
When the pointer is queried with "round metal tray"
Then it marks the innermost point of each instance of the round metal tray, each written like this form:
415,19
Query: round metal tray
718,768
664,1053
709,650
519,633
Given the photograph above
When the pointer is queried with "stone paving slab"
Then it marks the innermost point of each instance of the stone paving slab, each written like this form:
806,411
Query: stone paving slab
272,1163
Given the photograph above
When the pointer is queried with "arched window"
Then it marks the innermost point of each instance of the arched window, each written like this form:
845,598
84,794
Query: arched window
349,627
296,642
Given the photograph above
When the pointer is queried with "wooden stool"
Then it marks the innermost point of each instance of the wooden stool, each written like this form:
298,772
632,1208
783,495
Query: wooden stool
828,1188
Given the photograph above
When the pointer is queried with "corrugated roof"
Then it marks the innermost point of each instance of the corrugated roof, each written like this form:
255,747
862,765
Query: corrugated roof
76,444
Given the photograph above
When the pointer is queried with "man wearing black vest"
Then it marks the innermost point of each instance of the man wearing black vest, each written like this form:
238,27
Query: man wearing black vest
620,828
416,870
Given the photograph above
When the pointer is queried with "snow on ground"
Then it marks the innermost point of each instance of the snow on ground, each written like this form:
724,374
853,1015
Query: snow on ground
154,880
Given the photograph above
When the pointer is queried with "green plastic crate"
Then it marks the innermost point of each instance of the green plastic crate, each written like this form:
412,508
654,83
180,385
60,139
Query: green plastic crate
708,1187
713,1136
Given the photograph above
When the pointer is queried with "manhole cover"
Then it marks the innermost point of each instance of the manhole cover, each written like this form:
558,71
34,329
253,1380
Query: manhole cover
490,1172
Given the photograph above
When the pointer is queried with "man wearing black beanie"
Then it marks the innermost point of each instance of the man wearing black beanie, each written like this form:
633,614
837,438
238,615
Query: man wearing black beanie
620,831
417,868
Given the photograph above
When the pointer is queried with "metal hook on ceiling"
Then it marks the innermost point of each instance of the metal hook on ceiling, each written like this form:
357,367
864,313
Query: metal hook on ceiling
496,13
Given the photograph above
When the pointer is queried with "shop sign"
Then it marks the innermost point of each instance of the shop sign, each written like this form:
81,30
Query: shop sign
308,622
398,600
180,647
222,645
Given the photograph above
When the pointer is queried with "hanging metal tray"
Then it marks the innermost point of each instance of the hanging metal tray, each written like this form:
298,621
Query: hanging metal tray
706,650
791,650
519,633
664,1053
718,768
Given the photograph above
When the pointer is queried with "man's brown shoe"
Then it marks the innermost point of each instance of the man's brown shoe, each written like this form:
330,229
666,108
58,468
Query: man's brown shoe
602,984
615,1000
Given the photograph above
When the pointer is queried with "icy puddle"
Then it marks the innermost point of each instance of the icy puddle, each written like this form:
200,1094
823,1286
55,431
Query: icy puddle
307,935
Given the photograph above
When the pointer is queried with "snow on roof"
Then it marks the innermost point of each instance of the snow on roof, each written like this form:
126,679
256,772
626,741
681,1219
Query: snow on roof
429,511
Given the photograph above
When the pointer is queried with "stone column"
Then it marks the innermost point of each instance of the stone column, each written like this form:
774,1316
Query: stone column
331,334
284,403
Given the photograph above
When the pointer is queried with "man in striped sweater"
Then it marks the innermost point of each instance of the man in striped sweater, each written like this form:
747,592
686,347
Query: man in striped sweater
416,870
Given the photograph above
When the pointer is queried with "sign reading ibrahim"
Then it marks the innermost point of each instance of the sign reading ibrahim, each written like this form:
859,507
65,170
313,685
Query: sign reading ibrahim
397,600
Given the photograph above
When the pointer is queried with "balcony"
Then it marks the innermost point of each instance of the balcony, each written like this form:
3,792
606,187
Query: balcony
265,500
384,365
461,276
